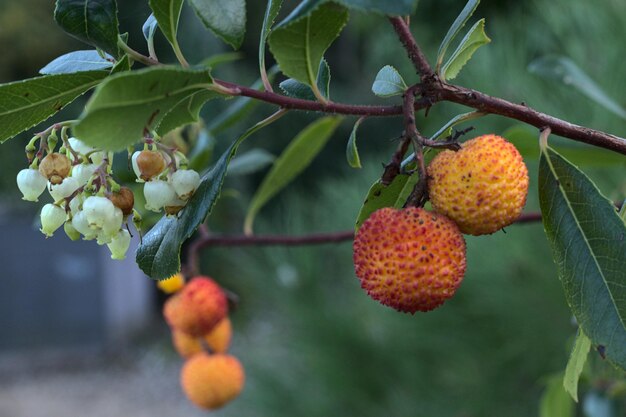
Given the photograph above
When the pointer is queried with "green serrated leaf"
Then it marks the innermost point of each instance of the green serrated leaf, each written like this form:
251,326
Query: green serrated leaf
226,18
296,89
91,21
271,12
159,254
474,39
459,22
167,14
250,162
525,140
299,45
185,112
555,402
388,82
294,159
381,195
77,61
352,153
24,104
588,241
127,104
566,71
575,364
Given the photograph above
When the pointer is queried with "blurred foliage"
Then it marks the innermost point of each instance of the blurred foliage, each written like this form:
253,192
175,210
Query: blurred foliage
312,342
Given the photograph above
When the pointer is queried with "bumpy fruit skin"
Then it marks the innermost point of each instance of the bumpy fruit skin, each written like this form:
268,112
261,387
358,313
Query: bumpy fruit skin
482,187
411,259
211,381
197,308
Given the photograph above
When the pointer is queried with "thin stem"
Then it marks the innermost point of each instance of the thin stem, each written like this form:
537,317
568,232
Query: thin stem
179,54
415,53
137,56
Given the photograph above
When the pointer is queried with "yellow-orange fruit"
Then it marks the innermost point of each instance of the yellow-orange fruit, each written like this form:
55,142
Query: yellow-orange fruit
482,187
411,259
197,308
172,284
218,340
211,381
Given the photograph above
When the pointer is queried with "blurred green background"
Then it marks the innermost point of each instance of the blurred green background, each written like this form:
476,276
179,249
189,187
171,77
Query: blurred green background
312,342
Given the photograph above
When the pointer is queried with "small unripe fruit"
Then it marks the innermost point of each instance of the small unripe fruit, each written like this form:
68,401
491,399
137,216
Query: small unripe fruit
173,284
55,167
411,259
211,381
124,199
482,187
150,164
52,217
31,183
197,308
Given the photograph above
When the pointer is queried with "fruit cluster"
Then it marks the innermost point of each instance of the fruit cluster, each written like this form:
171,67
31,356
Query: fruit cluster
197,314
414,260
88,202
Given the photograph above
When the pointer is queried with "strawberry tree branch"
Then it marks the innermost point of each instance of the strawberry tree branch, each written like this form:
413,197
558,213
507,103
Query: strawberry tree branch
415,53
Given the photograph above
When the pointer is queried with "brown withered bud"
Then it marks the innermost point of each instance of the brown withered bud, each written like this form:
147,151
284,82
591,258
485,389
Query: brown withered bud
124,200
55,167
150,164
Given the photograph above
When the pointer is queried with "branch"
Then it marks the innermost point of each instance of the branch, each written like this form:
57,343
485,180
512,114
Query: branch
415,53
308,105
488,104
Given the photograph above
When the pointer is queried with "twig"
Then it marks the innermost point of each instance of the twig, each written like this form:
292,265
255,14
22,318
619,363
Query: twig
415,53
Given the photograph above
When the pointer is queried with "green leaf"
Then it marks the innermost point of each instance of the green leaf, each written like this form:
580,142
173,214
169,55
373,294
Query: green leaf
555,402
352,153
296,89
575,364
226,18
91,21
391,8
127,104
77,61
391,195
24,104
299,45
249,162
167,14
459,22
271,12
588,240
159,254
124,64
474,39
388,82
186,111
219,59
563,69
525,140
294,159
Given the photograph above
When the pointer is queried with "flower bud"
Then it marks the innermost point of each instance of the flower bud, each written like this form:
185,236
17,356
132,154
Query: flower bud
83,173
124,199
119,244
185,182
52,217
150,164
55,167
98,210
158,193
31,183
63,190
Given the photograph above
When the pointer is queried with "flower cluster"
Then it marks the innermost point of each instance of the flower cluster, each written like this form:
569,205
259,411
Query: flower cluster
88,202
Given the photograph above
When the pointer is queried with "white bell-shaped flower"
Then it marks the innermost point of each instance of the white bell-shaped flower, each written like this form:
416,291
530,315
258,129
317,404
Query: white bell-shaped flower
80,223
52,217
119,244
31,183
98,211
185,182
83,173
63,190
136,170
158,193
79,146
